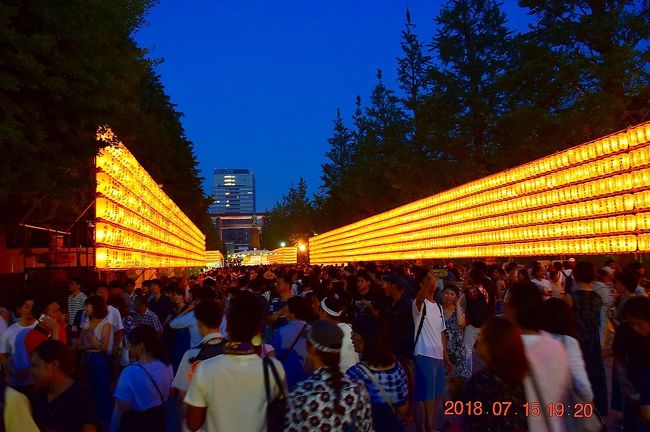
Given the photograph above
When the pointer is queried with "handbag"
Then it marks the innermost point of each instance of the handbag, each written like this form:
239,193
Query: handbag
593,423
152,420
276,409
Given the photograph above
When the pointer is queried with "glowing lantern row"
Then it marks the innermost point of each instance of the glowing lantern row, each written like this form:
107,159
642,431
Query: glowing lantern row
284,255
213,258
594,190
138,225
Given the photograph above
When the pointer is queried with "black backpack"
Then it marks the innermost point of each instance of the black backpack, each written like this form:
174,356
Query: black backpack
569,282
208,350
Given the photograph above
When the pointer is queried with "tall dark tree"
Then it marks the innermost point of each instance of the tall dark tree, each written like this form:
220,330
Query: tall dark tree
471,44
604,45
290,220
67,67
331,200
413,67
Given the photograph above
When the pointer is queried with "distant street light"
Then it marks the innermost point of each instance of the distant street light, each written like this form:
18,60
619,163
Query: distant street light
283,244
302,247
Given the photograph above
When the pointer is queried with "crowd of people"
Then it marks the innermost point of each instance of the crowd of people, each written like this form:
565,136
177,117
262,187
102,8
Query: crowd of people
363,347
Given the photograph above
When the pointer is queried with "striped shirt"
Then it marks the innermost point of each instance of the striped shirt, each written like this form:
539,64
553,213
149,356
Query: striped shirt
75,304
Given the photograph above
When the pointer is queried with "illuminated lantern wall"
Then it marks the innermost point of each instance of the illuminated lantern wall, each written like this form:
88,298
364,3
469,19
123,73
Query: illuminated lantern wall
285,255
137,225
589,199
213,258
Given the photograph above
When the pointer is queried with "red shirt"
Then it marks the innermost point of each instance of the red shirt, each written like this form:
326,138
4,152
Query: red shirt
35,337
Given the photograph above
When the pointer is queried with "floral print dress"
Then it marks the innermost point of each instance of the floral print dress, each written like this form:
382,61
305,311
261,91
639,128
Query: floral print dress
311,405
456,348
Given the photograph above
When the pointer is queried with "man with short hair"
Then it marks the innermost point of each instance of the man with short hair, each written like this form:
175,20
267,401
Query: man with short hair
76,300
144,315
431,356
14,356
225,388
208,314
160,304
51,326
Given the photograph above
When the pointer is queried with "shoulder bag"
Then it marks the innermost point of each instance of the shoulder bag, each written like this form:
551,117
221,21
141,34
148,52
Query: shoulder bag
276,409
388,421
152,420
583,424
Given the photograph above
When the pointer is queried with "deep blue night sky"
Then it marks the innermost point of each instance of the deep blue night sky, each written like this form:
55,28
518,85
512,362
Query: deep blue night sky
259,81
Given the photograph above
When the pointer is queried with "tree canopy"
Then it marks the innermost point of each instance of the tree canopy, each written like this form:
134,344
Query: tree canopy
67,67
479,98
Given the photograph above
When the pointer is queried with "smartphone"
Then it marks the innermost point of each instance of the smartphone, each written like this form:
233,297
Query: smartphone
439,273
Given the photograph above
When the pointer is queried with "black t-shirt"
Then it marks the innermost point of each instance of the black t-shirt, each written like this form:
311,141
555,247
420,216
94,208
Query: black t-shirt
163,307
401,327
69,412
636,351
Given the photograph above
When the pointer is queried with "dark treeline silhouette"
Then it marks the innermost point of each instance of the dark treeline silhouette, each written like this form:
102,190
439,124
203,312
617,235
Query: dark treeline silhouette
66,68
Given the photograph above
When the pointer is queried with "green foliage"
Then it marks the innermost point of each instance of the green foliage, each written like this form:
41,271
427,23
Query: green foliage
67,67
290,220
483,99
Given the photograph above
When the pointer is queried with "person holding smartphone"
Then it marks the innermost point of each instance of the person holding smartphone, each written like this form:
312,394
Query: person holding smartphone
431,356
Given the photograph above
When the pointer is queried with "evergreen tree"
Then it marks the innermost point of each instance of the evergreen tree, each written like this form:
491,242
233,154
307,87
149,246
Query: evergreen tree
604,48
413,67
290,220
471,44
68,67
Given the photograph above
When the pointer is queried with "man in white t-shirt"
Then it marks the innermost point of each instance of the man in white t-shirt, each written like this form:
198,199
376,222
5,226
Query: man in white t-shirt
431,357
227,392
209,315
550,380
13,353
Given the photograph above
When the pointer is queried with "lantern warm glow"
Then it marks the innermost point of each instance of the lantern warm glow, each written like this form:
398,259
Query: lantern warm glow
590,199
137,224
284,255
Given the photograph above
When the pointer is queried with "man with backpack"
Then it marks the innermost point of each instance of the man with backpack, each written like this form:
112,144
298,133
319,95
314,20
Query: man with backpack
209,314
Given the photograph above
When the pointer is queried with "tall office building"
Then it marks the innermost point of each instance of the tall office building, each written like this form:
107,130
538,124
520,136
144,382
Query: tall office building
233,208
233,191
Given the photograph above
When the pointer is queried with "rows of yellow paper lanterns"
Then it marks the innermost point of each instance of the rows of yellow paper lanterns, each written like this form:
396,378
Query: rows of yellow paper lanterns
586,246
284,255
123,180
583,184
586,161
116,259
495,202
138,225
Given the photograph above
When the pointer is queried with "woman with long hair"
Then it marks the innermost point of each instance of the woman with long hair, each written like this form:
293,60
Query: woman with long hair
96,344
501,383
143,387
328,398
